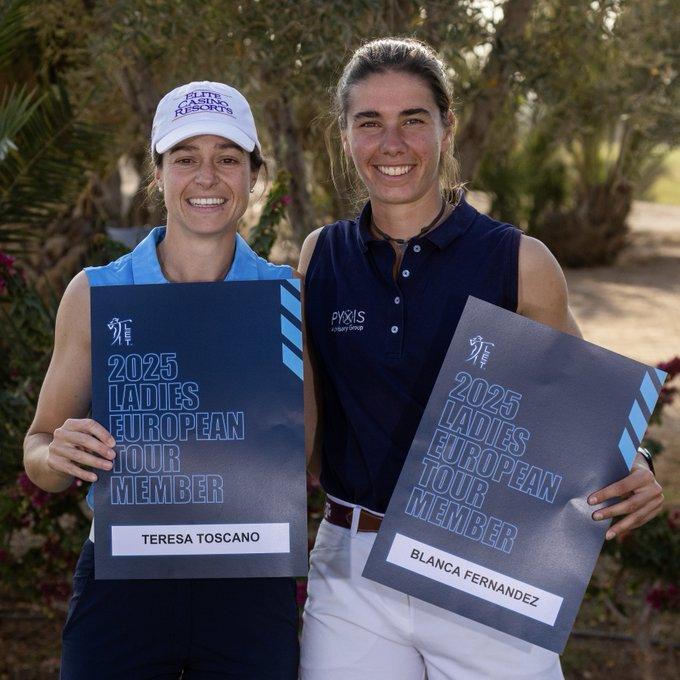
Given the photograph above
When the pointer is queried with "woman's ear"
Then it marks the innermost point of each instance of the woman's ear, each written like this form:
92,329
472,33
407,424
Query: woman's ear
157,176
254,174
449,130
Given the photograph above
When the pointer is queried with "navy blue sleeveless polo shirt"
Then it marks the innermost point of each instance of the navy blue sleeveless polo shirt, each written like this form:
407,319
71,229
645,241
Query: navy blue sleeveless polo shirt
379,342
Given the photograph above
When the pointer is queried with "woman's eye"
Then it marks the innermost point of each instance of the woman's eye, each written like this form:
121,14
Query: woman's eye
184,161
369,124
413,121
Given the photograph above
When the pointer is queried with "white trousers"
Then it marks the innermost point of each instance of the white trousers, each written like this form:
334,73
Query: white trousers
356,629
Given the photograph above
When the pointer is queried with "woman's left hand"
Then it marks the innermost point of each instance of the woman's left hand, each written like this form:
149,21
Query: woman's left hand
641,499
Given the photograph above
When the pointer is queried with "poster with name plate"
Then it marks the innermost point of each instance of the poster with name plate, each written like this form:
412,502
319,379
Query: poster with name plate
200,384
489,518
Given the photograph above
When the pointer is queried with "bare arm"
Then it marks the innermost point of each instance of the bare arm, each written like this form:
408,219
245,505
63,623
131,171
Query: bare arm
312,388
543,297
542,294
61,438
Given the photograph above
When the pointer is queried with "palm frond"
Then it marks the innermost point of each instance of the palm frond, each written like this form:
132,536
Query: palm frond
12,28
45,163
16,108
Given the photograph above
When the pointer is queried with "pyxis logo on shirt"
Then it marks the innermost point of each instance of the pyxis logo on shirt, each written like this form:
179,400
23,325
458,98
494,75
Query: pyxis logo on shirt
345,320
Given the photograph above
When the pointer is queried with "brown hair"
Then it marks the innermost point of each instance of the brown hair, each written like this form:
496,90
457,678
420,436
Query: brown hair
401,55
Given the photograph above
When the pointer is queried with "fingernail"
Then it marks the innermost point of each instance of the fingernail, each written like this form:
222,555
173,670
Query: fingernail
112,454
112,441
610,535
592,500
597,515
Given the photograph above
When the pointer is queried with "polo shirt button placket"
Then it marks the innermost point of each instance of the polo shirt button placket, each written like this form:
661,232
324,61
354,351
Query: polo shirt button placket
396,327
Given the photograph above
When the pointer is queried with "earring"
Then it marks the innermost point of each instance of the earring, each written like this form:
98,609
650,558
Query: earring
252,190
160,188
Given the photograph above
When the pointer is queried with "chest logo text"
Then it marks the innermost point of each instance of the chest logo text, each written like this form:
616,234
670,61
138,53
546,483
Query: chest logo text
347,320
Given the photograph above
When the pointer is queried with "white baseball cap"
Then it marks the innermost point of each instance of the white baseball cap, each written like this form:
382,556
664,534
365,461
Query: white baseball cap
203,108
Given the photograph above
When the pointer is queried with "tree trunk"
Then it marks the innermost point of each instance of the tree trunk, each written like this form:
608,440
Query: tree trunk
592,233
138,87
290,156
495,83
643,634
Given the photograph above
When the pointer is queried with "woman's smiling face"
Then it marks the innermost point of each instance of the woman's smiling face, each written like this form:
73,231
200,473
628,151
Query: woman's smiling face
206,183
395,137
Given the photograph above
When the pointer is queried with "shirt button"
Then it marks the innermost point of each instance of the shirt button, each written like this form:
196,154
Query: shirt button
395,329
416,249
397,300
406,273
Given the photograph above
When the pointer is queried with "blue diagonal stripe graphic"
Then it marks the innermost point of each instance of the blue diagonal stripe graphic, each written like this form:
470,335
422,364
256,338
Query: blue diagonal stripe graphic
627,448
291,332
293,282
649,392
290,302
292,360
637,420
661,375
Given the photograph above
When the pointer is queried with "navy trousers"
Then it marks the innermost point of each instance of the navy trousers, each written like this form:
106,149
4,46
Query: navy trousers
196,629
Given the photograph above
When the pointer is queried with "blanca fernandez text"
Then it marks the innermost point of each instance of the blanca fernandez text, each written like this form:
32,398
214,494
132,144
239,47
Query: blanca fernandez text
151,412
476,444
455,570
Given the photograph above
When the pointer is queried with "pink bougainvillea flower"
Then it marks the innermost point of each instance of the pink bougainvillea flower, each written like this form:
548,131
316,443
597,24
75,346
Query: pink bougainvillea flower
667,395
672,367
24,483
674,519
6,260
35,494
664,597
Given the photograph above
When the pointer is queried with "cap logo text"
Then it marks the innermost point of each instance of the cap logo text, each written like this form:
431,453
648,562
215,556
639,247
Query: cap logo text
203,100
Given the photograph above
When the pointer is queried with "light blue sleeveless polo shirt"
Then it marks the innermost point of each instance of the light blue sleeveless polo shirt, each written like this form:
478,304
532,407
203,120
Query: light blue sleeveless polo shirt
141,266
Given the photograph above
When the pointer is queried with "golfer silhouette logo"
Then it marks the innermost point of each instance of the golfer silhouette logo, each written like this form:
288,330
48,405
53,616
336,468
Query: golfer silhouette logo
479,355
121,331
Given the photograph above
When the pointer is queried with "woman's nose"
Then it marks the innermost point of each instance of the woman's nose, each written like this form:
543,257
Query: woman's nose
392,141
206,175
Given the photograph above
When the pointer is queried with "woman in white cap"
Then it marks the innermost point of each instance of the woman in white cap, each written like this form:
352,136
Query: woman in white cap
207,158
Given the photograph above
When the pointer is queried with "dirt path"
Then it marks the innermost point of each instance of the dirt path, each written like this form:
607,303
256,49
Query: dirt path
634,308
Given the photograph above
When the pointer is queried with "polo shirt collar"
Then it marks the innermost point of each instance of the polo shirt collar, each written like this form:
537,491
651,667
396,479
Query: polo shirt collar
147,269
244,266
453,226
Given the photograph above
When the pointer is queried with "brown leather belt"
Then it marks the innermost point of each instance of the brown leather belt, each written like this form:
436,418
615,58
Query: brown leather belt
341,515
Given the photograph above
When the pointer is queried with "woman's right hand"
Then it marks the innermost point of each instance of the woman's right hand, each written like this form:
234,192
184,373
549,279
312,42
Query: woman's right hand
79,444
